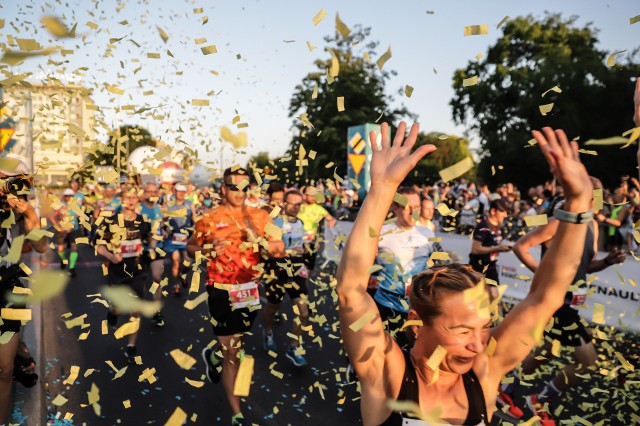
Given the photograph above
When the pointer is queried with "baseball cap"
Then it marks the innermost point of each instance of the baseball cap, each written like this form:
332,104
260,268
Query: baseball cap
13,166
69,191
180,187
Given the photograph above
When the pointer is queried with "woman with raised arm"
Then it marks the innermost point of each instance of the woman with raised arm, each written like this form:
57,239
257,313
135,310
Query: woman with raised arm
453,371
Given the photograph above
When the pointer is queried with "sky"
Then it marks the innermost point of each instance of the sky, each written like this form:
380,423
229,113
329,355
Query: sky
262,55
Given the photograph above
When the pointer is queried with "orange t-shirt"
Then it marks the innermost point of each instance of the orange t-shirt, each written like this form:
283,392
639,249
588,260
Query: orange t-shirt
238,262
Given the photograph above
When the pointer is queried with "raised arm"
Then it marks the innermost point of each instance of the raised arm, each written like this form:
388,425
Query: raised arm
519,332
366,346
534,238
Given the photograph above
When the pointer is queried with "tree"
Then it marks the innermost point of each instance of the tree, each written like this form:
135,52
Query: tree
131,137
319,126
451,150
259,161
530,58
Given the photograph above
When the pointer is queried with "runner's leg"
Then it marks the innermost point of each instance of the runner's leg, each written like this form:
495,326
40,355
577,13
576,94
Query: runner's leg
231,349
8,353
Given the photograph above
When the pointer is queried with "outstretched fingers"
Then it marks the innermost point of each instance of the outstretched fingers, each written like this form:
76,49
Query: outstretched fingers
545,148
413,136
384,130
420,152
373,140
400,132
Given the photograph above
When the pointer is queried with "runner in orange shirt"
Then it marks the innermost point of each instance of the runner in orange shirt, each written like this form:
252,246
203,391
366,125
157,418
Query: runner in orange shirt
229,236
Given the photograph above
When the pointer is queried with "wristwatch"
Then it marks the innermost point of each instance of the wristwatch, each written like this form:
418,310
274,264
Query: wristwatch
571,217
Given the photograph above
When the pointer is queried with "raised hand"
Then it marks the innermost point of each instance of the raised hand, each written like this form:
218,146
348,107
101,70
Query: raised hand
390,164
565,164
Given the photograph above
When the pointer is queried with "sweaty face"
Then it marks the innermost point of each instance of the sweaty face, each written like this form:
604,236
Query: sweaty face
292,205
407,216
234,198
460,330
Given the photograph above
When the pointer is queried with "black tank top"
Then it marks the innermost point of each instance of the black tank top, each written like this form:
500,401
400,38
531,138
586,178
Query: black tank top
581,273
409,391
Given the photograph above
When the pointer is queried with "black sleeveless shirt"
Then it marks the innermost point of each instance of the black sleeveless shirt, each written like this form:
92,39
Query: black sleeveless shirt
409,391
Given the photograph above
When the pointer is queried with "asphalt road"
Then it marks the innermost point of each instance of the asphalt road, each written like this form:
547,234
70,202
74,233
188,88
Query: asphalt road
313,395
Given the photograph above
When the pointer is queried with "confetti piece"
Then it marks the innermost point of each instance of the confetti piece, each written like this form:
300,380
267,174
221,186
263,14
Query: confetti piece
471,81
124,301
598,313
362,321
28,44
436,358
59,400
163,34
491,346
537,220
200,102
400,199
474,293
456,170
411,323
194,383
384,58
115,90
598,199
208,50
191,304
408,91
126,403
238,140
149,375
615,140
184,360
553,89
546,108
340,102
634,20
6,337
15,314
55,27
319,16
334,69
177,418
341,27
611,59
311,47
128,328
501,23
243,379
476,30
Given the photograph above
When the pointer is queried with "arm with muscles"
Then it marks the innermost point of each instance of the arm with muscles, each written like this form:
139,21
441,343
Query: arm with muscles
518,333
535,238
369,347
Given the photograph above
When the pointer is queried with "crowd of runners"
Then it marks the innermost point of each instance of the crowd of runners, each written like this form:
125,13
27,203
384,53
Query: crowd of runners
416,325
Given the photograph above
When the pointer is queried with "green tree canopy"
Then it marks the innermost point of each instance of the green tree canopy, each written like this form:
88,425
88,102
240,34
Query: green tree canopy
318,125
532,57
451,150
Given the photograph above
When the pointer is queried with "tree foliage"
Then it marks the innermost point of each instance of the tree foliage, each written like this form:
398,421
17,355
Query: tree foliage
318,126
106,154
451,150
531,57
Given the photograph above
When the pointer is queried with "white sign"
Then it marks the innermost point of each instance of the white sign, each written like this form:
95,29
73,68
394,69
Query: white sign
611,288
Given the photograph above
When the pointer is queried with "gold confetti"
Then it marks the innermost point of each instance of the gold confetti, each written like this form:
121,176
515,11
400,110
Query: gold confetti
340,102
191,304
436,358
598,199
476,30
243,379
546,108
194,383
319,16
163,34
177,418
408,91
537,220
456,170
341,27
598,313
238,140
59,400
208,50
55,27
491,347
634,20
184,360
200,102
127,328
471,81
28,44
553,89
611,59
126,403
362,321
15,314
115,90
384,58
501,23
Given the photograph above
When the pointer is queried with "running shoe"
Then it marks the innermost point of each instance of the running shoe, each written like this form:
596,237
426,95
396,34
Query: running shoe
158,319
213,374
269,342
297,359
505,399
112,319
72,272
130,354
539,409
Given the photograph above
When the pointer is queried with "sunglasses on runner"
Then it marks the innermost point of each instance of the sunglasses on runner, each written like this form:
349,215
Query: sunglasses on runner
234,187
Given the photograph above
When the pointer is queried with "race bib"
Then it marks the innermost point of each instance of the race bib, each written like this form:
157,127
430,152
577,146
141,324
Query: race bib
130,248
243,295
179,240
579,297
